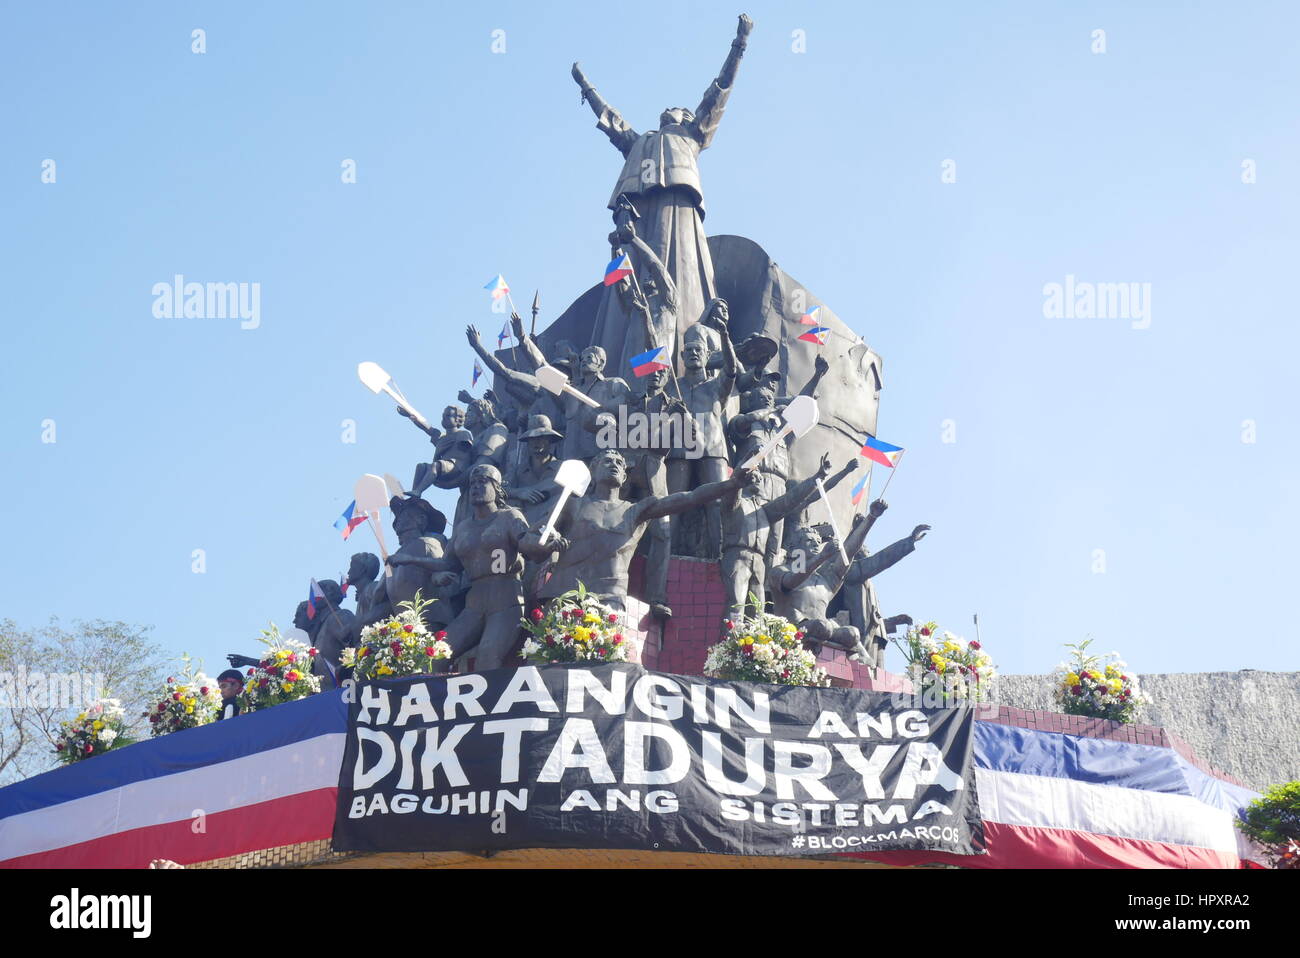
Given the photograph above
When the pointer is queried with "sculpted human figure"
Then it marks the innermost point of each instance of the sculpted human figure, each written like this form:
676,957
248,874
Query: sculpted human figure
580,437
331,631
453,452
858,596
703,458
760,418
371,596
801,588
486,560
747,518
601,530
532,488
661,177
421,554
520,385
650,423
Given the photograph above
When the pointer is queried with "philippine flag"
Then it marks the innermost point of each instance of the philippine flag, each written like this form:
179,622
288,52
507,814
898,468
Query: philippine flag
497,286
618,267
816,335
478,371
860,489
649,362
348,521
313,594
810,318
504,334
882,452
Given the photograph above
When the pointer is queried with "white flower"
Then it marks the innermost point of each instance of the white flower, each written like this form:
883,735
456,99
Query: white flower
107,736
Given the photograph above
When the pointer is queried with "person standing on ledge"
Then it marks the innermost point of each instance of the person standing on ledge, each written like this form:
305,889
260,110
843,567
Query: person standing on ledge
661,177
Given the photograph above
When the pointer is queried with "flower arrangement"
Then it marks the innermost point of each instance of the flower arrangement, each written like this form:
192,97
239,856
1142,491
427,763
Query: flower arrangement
399,645
764,648
191,701
576,627
283,674
97,730
1087,685
944,663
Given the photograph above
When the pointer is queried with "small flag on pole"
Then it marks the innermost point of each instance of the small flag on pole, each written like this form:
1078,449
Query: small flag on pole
497,286
882,452
618,267
860,489
313,593
816,335
504,334
478,371
650,361
349,521
810,317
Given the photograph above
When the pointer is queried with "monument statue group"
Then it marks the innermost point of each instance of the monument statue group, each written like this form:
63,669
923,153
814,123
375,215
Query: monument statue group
693,404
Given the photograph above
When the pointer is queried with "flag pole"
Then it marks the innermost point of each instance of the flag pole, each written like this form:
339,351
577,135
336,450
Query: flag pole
672,362
891,474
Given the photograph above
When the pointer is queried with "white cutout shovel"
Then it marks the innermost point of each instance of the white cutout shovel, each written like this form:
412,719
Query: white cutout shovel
554,381
572,477
372,495
374,378
830,514
800,417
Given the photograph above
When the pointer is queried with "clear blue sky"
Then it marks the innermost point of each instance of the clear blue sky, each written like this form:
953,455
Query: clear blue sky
1072,434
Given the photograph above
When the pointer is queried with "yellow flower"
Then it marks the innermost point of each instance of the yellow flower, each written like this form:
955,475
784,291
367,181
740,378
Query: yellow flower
383,670
98,725
189,710
288,686
940,663
764,639
581,635
746,640
591,617
1072,679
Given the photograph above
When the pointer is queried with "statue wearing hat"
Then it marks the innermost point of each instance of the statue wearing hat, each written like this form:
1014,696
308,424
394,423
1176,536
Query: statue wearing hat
703,459
532,489
421,554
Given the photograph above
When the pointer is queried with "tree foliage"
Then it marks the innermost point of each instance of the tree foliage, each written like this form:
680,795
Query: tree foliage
50,673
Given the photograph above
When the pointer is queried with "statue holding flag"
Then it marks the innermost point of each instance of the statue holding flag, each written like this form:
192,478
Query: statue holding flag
661,181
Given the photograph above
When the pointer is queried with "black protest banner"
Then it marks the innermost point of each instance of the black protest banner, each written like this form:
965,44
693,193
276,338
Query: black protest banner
615,756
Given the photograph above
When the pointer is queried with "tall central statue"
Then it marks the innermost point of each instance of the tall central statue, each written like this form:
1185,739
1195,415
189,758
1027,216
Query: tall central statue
659,187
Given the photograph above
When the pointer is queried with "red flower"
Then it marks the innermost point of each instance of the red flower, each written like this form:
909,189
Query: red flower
618,638
153,720
430,651
312,652
203,690
293,675
600,651
798,635
537,615
730,625
250,671
162,706
440,635
925,631
293,657
974,644
261,683
89,749
613,618
395,646
549,640
408,628
1077,690
170,680
785,674
176,696
747,650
